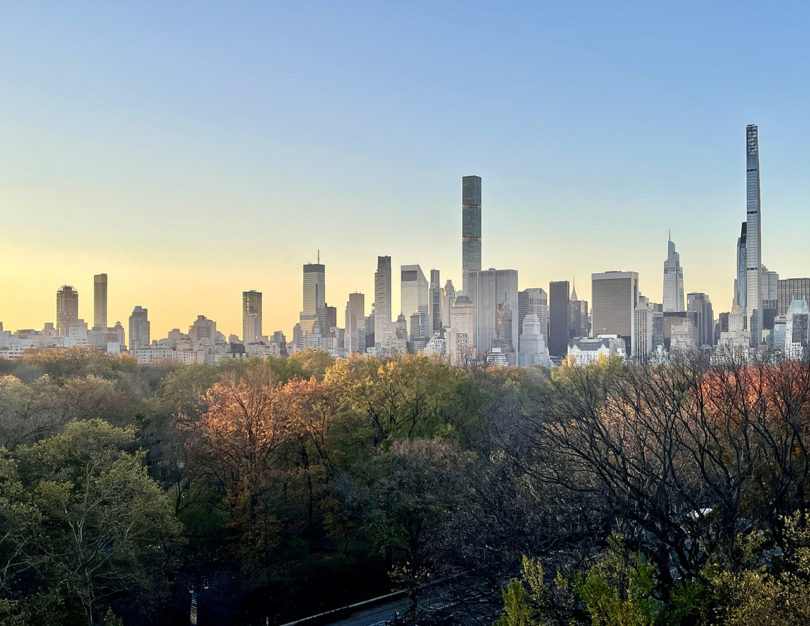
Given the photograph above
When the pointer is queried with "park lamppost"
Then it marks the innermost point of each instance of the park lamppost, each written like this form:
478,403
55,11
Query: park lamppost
192,589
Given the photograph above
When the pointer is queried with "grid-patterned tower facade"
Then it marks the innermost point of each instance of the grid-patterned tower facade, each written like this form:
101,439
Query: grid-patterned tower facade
753,244
470,227
382,298
100,302
67,309
251,316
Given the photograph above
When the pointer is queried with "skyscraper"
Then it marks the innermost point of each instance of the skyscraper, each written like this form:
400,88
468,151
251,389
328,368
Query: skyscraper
435,302
739,293
414,292
494,295
673,280
699,312
314,305
558,291
643,331
753,245
355,336
100,302
314,288
382,298
251,316
615,296
461,331
578,323
534,300
139,328
470,227
790,289
67,309
448,297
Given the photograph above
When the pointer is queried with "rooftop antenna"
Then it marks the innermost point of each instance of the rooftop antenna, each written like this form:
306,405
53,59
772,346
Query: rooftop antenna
319,256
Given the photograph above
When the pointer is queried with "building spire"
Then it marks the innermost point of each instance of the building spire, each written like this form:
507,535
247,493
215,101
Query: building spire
573,297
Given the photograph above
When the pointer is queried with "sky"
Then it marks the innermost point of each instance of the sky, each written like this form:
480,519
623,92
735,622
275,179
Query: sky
195,150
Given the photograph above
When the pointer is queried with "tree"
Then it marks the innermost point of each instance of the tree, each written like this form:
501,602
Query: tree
96,527
406,498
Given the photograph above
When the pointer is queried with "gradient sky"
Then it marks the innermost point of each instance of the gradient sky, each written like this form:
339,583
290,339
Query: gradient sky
193,150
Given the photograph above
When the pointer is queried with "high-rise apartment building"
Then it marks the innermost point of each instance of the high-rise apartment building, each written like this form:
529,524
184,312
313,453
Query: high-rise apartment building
470,228
559,296
251,316
461,331
355,335
494,294
67,309
673,280
100,302
138,329
382,298
414,294
753,244
790,289
614,299
699,312
203,329
644,327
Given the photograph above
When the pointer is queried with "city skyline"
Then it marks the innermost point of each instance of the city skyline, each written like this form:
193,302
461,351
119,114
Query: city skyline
170,168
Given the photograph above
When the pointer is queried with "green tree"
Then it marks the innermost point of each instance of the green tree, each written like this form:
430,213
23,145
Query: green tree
97,527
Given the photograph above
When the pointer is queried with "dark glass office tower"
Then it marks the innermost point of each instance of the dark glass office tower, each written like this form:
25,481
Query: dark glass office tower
558,293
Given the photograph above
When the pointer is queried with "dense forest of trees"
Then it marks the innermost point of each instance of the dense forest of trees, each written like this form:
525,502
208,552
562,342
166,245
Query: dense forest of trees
608,494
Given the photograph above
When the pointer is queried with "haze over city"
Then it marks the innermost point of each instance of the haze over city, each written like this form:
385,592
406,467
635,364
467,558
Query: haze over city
193,155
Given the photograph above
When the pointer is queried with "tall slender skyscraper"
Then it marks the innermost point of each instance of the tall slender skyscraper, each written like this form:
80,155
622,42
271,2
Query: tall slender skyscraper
470,227
435,302
100,302
739,294
382,298
355,334
753,245
673,280
67,309
251,316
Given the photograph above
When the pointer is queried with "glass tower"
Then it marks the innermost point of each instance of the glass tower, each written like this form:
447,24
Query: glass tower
673,280
251,316
470,227
753,245
100,302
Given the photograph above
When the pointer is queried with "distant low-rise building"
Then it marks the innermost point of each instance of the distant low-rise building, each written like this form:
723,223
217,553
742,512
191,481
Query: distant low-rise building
586,350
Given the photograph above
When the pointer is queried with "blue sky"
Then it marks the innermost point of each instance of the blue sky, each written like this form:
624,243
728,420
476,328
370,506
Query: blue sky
195,150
